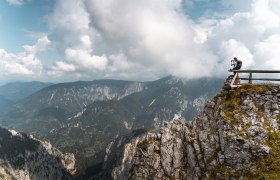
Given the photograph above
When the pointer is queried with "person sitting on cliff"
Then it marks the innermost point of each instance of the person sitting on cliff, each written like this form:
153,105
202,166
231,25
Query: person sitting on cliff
236,64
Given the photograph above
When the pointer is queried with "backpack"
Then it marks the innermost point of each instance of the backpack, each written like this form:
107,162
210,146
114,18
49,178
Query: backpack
239,63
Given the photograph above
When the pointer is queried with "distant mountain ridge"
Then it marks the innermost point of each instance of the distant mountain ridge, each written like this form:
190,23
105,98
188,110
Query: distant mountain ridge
47,108
13,92
5,104
18,90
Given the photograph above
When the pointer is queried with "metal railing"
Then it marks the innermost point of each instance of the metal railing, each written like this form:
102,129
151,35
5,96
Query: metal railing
250,78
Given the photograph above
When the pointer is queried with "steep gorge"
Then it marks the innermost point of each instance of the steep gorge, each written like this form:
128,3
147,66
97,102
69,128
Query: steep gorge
24,157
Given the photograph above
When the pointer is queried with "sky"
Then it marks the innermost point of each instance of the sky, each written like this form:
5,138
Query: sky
62,41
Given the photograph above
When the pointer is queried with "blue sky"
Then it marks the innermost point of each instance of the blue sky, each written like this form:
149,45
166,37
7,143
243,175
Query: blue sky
59,40
18,22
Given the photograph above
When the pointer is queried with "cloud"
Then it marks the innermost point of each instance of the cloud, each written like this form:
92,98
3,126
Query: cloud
113,39
23,64
229,49
155,38
17,2
145,31
147,39
67,23
85,59
252,35
267,52
62,66
40,46
83,56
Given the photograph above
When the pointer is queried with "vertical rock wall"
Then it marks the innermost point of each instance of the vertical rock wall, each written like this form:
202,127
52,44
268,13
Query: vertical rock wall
235,137
26,158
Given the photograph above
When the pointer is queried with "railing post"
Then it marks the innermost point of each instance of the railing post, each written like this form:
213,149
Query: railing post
232,85
250,78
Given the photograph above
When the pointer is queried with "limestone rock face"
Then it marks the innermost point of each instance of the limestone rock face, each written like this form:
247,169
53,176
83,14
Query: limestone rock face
24,157
236,136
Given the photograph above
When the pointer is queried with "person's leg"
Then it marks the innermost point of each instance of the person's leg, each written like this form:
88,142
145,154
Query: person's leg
234,69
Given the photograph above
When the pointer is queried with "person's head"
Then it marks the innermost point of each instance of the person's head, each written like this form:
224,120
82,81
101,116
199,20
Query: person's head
235,58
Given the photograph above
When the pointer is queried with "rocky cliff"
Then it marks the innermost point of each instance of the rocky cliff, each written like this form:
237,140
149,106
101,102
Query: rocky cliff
24,157
236,136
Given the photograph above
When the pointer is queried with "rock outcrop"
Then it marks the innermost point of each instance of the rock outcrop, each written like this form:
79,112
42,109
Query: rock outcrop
24,157
235,137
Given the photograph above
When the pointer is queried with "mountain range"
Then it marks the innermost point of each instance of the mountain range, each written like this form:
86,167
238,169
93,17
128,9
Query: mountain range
83,117
18,90
5,104
50,107
109,129
13,92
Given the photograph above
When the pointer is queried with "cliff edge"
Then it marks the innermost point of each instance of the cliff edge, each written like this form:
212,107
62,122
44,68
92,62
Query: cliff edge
236,136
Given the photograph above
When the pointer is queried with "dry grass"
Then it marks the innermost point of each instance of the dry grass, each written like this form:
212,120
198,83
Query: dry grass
267,167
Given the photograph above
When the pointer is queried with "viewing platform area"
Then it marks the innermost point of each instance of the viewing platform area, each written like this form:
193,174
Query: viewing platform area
236,80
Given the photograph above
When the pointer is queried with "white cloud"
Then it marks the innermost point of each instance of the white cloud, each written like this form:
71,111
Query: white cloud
263,17
10,64
82,55
154,34
252,35
231,47
40,46
17,2
85,59
116,38
62,66
68,22
267,52
151,38
23,64
120,67
88,47
72,36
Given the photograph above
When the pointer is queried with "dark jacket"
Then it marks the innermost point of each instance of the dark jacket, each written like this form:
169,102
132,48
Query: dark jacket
238,65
